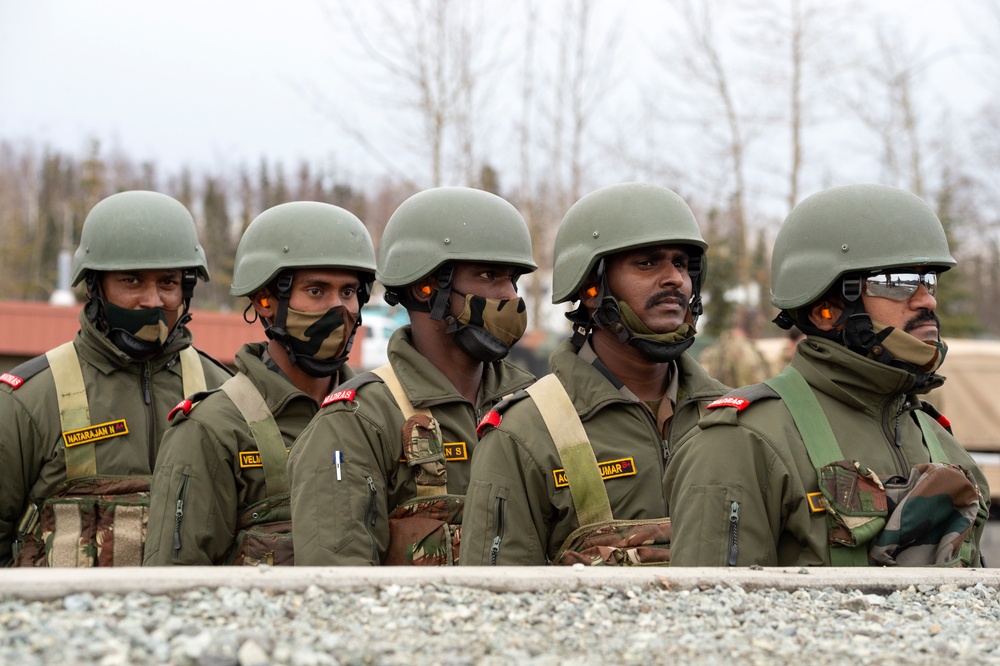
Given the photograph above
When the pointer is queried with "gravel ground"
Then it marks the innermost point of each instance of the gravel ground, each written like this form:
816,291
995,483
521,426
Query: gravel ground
451,624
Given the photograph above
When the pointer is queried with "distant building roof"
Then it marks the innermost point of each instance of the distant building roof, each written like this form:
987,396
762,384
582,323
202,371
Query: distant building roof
31,328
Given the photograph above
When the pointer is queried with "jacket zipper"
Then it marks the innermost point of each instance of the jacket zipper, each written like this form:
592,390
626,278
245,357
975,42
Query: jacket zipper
734,532
150,425
498,522
897,441
371,514
179,514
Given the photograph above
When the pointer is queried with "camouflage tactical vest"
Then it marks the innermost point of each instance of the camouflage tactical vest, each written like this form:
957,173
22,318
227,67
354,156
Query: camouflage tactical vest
600,539
91,520
926,519
425,531
264,531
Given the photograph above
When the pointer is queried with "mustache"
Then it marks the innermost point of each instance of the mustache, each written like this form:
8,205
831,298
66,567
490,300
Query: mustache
923,317
665,295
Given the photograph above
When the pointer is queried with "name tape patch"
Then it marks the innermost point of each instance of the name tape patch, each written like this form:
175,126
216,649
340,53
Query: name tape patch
252,459
611,469
95,433
453,452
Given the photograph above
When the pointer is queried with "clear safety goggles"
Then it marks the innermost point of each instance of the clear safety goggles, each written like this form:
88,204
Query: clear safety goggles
900,286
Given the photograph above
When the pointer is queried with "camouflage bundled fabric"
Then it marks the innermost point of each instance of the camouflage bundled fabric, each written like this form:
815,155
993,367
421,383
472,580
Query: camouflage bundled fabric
618,543
931,515
97,521
265,534
923,520
426,532
423,448
855,502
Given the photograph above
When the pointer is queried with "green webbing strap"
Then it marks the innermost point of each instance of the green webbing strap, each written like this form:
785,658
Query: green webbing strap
270,444
821,443
388,376
933,443
586,486
74,411
192,372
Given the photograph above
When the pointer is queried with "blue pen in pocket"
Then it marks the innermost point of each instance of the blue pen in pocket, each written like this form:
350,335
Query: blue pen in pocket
337,460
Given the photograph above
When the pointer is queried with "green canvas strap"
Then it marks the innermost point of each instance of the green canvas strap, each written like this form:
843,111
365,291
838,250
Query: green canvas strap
586,486
821,443
192,372
388,376
263,427
74,410
930,438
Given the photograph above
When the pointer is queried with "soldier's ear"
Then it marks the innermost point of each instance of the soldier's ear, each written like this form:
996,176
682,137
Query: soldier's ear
823,315
588,293
421,291
265,303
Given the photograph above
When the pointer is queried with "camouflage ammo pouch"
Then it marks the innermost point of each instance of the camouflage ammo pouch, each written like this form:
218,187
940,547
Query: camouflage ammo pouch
98,521
426,531
927,519
618,543
923,520
600,539
264,534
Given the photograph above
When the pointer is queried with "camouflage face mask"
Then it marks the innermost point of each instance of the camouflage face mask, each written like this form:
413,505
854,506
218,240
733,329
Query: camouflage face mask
926,356
505,319
320,335
147,325
487,328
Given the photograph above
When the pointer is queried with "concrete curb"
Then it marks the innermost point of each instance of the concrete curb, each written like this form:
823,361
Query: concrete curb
46,584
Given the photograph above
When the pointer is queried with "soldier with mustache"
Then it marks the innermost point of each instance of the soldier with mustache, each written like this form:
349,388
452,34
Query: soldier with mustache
570,461
837,460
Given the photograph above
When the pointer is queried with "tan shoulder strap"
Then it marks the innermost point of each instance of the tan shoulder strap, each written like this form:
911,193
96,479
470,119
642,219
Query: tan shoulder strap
74,410
263,427
192,372
388,375
590,497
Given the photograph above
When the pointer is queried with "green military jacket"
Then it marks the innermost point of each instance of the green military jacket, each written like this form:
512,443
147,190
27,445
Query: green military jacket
738,483
200,464
32,455
517,493
345,522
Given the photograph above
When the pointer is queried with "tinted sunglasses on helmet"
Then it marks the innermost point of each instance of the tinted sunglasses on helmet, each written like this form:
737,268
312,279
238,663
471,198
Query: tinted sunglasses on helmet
900,286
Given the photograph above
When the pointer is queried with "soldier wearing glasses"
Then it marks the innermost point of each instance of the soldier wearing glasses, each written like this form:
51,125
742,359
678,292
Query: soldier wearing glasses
836,460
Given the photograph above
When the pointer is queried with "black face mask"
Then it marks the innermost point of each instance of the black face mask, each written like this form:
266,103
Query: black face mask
138,333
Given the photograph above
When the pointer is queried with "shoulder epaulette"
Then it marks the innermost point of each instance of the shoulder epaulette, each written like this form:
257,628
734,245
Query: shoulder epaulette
932,411
215,362
188,403
495,415
741,398
22,373
349,389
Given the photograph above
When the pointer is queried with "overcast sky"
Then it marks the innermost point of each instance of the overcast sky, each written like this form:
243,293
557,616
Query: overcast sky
211,83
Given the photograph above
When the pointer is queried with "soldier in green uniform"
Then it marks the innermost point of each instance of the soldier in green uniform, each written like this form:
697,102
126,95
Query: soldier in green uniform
633,255
378,475
836,460
220,489
81,425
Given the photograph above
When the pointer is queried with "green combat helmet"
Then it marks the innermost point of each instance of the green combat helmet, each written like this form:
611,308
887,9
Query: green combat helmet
615,219
304,234
435,228
132,231
833,239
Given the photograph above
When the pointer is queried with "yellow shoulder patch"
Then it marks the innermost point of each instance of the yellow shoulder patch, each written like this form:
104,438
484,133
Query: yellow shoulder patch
610,469
95,433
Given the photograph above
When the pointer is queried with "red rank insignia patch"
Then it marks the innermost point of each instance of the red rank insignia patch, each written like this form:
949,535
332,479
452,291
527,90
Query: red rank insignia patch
739,404
339,396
